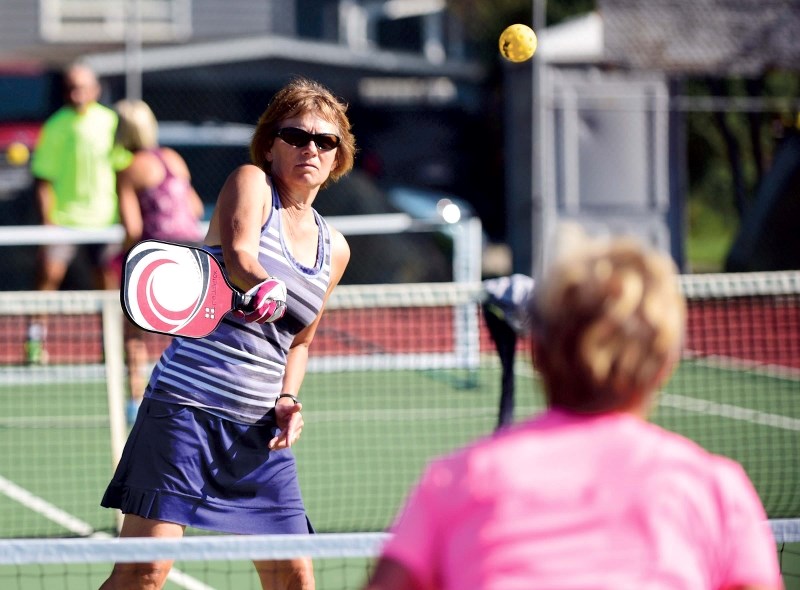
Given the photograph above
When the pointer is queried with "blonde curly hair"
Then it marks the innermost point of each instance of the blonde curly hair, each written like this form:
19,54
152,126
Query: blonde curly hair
608,324
137,128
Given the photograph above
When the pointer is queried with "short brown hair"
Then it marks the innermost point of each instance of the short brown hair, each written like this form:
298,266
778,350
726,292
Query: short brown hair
300,96
608,321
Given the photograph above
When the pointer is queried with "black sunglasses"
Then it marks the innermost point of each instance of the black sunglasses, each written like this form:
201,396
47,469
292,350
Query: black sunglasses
300,138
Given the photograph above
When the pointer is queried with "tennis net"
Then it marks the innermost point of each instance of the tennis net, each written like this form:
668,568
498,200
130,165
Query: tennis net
398,374
217,562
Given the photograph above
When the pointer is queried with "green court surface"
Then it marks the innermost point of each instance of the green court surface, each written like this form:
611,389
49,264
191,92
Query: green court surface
343,574
367,435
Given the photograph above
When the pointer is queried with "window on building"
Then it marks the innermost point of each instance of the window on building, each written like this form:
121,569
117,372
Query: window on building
318,20
111,20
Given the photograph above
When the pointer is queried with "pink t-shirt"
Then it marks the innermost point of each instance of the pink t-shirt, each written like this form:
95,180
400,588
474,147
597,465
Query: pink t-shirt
567,501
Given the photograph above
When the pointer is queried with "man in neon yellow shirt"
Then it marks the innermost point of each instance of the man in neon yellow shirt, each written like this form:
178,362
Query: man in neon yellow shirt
73,165
75,171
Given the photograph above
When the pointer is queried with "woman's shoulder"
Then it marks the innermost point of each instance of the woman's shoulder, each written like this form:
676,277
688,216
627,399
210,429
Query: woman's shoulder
339,244
247,182
142,162
248,176
173,160
250,172
339,249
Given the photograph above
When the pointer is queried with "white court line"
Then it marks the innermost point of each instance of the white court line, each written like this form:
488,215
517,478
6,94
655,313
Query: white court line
733,365
393,415
30,375
183,580
46,509
671,400
736,365
79,527
47,422
667,400
701,406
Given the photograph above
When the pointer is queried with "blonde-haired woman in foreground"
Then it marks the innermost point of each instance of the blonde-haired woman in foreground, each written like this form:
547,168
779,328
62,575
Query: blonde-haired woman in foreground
588,494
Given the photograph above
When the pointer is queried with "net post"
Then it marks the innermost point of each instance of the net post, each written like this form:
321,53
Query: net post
467,250
467,263
113,352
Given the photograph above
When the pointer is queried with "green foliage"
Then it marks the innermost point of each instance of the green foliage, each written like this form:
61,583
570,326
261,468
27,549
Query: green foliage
710,236
559,10
712,215
483,21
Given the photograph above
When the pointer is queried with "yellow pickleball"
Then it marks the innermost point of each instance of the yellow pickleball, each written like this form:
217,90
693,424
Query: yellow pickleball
17,154
518,43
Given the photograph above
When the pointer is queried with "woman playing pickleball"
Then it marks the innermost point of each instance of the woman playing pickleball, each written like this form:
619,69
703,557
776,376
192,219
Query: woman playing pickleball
210,447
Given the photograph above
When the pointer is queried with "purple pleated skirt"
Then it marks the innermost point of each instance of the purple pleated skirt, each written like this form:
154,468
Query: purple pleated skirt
184,465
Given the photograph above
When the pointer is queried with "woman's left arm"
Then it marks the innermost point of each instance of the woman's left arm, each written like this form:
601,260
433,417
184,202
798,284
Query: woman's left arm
287,413
130,211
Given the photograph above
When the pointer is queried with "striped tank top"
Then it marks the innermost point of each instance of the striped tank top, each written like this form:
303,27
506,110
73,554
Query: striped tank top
236,372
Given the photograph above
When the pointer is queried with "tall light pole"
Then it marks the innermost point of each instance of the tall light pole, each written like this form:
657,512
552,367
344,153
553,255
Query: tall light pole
541,210
133,50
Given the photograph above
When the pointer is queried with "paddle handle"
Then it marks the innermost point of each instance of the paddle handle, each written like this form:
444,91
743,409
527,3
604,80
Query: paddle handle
240,301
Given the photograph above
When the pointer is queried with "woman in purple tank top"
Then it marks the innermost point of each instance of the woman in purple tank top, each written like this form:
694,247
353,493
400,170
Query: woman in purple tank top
156,201
211,445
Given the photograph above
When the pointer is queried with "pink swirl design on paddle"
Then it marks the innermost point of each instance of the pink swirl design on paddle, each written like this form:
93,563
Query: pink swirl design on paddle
154,313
